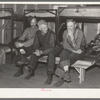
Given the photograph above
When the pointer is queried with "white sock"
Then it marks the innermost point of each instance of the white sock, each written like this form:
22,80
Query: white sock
66,68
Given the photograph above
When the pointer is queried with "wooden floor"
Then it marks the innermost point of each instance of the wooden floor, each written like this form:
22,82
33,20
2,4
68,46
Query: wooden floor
8,81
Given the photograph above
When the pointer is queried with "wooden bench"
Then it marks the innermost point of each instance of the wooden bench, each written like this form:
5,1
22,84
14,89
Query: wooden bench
44,59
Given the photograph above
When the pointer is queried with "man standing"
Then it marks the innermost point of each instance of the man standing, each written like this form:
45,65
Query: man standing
24,46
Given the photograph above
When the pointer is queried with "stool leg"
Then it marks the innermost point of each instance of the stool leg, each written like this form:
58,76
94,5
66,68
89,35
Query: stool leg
82,75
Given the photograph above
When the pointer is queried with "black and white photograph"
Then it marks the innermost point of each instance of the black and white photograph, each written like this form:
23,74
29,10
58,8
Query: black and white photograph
49,46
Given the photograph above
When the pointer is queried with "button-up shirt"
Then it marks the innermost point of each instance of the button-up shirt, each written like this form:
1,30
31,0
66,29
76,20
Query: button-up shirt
28,36
79,39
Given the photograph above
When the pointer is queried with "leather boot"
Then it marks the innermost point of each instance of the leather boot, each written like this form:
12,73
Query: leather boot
49,80
59,82
67,77
30,74
19,72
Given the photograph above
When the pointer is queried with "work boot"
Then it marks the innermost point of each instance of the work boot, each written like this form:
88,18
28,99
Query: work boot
30,74
49,80
67,77
19,72
59,82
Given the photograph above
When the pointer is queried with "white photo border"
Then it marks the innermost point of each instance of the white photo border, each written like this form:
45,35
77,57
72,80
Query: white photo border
49,92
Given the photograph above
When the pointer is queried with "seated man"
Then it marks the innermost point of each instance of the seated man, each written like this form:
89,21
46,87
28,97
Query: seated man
24,46
44,44
93,48
73,49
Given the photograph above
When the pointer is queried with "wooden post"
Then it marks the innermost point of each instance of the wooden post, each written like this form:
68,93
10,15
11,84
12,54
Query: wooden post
3,29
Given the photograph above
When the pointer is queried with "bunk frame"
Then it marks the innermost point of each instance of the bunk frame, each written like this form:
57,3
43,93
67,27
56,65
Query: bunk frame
11,17
51,11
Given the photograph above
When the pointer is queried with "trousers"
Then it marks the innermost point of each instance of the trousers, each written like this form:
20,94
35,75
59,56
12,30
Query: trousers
50,60
67,58
23,57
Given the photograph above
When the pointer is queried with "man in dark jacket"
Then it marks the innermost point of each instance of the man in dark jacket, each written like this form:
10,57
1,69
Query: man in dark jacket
44,44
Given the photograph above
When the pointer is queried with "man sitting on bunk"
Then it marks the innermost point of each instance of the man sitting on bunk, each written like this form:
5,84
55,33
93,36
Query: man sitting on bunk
44,43
93,48
73,49
24,45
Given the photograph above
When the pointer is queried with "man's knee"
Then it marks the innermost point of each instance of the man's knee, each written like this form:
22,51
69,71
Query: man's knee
51,56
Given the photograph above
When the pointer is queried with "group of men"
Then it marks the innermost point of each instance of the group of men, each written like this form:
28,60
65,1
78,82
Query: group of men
38,40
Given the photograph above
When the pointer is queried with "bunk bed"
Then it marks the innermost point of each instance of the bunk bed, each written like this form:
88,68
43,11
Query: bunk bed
50,15
81,15
8,14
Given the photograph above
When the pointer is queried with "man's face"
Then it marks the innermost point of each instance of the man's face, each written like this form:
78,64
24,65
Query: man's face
33,22
44,29
70,26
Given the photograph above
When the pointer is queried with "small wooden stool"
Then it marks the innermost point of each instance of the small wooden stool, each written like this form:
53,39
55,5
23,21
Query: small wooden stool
81,68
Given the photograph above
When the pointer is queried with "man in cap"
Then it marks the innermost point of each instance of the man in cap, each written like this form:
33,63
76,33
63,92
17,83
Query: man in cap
24,45
44,44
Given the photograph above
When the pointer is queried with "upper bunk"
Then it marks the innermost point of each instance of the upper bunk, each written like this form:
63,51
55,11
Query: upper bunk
8,14
47,14
80,14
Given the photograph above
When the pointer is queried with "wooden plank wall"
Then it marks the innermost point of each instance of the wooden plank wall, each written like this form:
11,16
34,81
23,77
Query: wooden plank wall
90,29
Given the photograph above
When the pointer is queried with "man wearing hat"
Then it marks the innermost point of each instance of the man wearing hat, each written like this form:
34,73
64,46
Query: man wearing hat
24,45
44,44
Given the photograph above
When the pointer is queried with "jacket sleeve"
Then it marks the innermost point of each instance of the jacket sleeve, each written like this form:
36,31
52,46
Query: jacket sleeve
29,42
77,42
64,41
52,44
23,36
36,42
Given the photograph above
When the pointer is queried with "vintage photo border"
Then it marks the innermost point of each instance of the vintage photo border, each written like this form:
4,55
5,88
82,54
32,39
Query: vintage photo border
49,92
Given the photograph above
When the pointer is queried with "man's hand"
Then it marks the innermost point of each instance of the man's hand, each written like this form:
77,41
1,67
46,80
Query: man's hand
22,51
18,44
78,51
71,35
38,52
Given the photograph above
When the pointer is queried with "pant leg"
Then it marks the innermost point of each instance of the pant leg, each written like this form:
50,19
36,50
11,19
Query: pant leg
33,62
74,57
28,52
18,58
64,60
51,59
